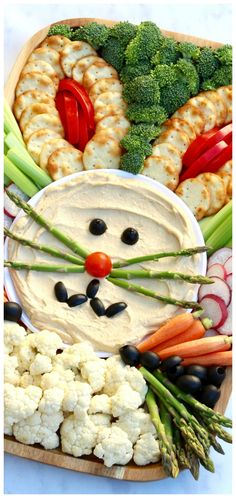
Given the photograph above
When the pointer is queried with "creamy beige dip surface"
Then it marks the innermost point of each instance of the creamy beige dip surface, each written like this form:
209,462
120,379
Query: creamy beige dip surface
121,203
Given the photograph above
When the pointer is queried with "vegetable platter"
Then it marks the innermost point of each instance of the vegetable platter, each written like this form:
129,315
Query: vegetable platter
210,227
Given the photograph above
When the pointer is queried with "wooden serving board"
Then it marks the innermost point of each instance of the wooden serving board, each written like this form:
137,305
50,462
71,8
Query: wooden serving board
90,464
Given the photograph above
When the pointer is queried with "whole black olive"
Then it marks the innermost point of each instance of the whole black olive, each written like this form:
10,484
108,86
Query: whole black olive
189,383
92,288
76,300
216,375
130,236
61,292
197,370
115,308
97,226
12,311
170,362
97,306
209,395
174,372
150,360
130,355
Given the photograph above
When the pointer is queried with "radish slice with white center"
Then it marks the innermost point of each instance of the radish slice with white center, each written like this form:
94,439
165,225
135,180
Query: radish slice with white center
219,288
9,207
226,328
229,280
228,266
220,256
211,333
216,270
215,309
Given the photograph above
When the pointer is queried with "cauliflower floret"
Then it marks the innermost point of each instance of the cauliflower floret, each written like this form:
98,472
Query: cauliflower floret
113,446
57,378
29,380
68,359
11,373
114,374
13,335
51,401
136,381
20,403
25,353
85,351
125,399
78,438
93,371
100,419
134,423
39,428
77,398
146,450
47,343
40,365
100,403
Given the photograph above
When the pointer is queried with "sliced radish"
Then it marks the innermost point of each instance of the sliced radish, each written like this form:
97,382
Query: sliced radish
215,309
226,328
10,208
211,333
7,221
229,280
216,270
220,256
219,288
228,265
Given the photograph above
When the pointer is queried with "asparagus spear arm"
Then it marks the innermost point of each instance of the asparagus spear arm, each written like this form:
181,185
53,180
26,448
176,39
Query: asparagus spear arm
43,248
169,461
20,265
194,463
149,293
65,239
167,275
180,450
187,398
155,257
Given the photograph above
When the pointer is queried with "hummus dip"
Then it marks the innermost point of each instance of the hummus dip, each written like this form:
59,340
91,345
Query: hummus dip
121,203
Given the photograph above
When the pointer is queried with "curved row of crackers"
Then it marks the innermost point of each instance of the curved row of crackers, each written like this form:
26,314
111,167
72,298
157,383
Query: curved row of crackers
39,120
209,192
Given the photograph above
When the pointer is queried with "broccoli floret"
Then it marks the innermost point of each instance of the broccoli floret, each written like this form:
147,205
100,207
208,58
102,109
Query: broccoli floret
145,44
225,54
165,75
136,143
167,54
128,72
146,114
144,130
114,53
188,74
132,162
189,51
93,33
124,31
61,29
143,89
221,77
174,96
207,63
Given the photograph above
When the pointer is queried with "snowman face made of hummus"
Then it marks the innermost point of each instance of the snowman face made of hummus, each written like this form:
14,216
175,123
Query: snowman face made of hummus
122,217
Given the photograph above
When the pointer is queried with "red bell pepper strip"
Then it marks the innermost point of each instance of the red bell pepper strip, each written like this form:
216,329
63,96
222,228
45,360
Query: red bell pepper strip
208,141
60,105
83,131
72,118
202,164
192,151
82,98
221,159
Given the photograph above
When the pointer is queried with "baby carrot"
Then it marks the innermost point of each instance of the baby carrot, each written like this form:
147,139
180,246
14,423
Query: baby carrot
198,347
171,328
222,358
195,331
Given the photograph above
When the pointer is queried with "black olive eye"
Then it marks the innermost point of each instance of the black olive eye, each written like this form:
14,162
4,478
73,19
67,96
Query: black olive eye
97,226
130,236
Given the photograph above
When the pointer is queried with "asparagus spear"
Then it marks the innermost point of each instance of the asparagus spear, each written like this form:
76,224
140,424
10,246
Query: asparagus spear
187,398
218,430
44,248
20,265
194,463
149,293
168,275
65,239
214,443
155,257
180,450
169,461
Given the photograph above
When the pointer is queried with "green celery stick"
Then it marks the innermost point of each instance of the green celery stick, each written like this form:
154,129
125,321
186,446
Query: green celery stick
25,164
17,177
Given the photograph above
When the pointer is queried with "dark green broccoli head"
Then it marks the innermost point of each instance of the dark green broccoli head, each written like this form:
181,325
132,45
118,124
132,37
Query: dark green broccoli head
136,143
124,31
114,53
221,77
143,89
144,130
132,162
145,44
128,73
93,33
189,51
164,74
225,55
146,114
61,29
207,63
168,52
174,96
187,73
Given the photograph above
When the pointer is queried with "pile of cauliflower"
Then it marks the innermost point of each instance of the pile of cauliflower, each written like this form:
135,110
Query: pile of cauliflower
70,397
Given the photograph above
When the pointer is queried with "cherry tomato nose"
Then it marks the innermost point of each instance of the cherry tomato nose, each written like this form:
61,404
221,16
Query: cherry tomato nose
98,264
